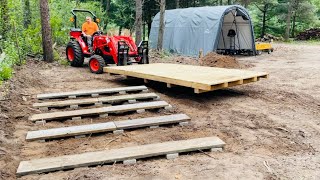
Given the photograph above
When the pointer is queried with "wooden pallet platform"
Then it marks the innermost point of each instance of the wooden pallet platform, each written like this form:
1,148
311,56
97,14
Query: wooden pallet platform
74,94
105,127
116,155
201,78
98,111
109,100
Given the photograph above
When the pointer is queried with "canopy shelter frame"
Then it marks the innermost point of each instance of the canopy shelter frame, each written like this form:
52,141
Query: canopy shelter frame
193,30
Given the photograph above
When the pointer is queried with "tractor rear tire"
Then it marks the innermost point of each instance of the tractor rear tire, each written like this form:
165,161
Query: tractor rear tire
74,54
96,64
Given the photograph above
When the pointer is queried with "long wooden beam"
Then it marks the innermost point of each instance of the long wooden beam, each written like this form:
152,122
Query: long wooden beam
105,127
93,92
98,111
116,155
109,100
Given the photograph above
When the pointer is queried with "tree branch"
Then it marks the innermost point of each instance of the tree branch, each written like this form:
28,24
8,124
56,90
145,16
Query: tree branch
258,7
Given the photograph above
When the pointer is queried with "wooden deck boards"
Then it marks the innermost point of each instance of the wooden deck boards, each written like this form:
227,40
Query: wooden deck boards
90,92
97,111
105,127
200,78
116,155
110,100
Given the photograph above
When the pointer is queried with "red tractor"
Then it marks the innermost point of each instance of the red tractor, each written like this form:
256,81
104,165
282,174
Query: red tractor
119,50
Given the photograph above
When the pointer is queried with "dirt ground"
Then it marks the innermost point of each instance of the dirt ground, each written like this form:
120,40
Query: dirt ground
271,127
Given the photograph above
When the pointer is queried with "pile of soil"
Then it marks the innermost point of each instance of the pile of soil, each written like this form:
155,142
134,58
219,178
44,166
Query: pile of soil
157,57
216,60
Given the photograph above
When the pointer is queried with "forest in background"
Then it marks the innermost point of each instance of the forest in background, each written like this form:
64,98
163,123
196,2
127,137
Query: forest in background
20,22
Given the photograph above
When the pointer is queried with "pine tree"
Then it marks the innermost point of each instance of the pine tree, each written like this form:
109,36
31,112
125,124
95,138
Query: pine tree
46,31
138,22
4,18
162,25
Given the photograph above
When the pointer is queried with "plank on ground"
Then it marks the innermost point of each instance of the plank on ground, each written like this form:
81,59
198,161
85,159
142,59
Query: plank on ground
198,77
114,99
70,131
97,111
151,121
105,127
116,155
90,92
111,99
66,103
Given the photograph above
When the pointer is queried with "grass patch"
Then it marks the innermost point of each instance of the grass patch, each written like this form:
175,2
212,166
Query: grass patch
59,59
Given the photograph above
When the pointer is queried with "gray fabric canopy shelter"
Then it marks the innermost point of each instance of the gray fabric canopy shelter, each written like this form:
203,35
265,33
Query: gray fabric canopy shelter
187,31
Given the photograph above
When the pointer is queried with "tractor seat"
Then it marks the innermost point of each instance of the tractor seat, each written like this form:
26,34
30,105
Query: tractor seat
75,29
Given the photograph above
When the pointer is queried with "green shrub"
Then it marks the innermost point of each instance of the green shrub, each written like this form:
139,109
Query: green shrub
5,73
21,40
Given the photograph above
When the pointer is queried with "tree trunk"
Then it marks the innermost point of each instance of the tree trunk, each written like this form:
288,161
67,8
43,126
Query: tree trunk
263,29
27,13
177,4
229,2
149,23
221,3
161,25
293,25
144,31
138,21
288,21
246,3
4,18
46,31
120,30
107,13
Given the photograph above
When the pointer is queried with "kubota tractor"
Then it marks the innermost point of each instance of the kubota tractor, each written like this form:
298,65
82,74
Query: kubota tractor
119,50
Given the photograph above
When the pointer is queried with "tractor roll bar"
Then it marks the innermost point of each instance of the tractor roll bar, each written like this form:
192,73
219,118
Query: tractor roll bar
81,10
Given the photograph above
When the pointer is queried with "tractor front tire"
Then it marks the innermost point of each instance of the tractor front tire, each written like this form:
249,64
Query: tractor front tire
96,64
74,54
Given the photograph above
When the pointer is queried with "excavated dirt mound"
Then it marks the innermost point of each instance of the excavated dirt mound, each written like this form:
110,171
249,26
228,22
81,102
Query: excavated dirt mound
216,60
211,59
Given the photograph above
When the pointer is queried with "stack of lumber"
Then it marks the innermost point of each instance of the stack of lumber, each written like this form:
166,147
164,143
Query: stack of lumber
116,100
269,38
313,33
